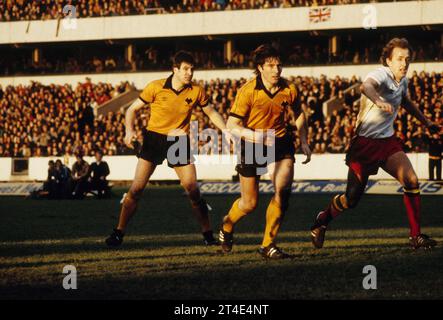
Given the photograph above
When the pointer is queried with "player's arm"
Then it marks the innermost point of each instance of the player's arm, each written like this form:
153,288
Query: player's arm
369,89
236,128
215,117
413,109
302,128
130,121
241,107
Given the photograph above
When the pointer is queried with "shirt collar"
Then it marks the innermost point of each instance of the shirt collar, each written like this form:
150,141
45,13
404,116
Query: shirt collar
168,84
259,85
388,70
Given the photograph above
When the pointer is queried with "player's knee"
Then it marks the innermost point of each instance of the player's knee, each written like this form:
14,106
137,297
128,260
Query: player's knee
190,187
193,193
411,182
249,205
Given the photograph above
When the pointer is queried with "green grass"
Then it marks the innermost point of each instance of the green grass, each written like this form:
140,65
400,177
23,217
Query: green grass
162,256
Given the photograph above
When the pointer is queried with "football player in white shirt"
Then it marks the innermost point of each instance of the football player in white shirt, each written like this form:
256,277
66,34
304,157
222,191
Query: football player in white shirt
375,145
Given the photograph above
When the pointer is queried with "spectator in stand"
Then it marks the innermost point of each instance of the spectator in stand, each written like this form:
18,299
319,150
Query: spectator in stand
99,170
50,185
80,174
63,179
435,150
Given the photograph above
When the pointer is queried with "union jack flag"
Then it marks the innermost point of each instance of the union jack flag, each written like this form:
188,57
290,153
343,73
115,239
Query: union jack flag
319,14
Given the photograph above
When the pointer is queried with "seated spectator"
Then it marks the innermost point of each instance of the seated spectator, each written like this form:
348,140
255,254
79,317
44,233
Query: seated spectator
50,185
435,150
63,180
99,170
80,174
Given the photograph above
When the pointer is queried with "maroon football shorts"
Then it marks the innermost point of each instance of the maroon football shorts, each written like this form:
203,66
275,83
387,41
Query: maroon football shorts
366,155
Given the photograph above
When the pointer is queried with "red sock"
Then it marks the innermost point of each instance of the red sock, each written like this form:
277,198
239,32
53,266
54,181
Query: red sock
411,198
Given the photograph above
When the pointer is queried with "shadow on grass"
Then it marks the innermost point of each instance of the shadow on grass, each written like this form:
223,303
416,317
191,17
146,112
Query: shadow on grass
308,279
91,245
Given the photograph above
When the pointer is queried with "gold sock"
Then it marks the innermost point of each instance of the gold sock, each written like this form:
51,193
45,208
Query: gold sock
234,215
274,217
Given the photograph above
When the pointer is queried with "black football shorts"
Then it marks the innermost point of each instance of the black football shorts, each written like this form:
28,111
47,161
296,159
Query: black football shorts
156,148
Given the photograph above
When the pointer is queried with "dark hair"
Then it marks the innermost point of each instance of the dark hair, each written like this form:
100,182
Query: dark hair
262,53
389,47
182,56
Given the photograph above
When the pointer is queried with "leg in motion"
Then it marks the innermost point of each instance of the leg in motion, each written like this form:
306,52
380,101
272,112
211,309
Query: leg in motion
143,172
282,178
355,188
241,207
399,166
188,179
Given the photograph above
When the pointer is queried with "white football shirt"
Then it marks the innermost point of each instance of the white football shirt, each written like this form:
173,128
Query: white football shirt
372,122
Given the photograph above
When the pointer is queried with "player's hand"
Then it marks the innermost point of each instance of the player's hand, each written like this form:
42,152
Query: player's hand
307,152
385,106
130,137
264,138
258,137
228,135
269,140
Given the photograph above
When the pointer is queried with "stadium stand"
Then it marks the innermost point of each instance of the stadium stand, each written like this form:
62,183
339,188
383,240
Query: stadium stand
50,9
154,56
55,120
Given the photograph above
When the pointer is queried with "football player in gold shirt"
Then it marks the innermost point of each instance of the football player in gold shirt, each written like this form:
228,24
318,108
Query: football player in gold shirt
263,104
171,102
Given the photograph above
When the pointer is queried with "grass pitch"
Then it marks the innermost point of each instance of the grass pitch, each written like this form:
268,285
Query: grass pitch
162,256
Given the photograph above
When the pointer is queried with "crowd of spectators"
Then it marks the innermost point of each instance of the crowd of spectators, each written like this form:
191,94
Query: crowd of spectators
146,61
13,10
66,65
56,120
